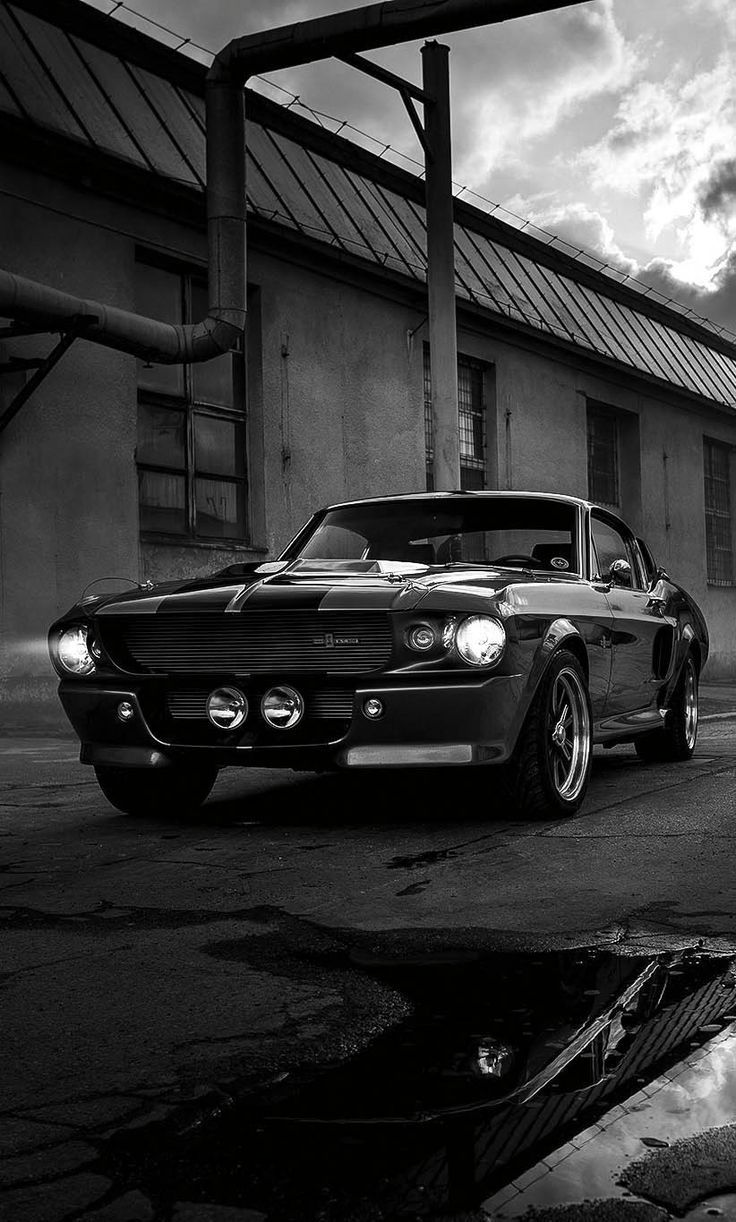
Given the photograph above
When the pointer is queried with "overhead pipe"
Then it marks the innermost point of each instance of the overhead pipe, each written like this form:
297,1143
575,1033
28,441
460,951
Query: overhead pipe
361,29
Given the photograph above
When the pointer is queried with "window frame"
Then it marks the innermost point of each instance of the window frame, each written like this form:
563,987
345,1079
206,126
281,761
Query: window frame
474,464
649,565
603,411
639,580
711,512
190,277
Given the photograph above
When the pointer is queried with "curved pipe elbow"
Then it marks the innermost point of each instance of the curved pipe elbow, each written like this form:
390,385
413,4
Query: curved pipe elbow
147,338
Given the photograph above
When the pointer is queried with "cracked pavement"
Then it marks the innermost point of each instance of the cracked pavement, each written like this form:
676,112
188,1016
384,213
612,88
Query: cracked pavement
150,965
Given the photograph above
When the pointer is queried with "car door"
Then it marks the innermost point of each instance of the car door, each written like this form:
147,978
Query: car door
636,621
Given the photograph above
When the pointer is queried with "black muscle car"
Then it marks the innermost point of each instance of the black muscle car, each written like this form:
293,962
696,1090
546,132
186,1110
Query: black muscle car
473,628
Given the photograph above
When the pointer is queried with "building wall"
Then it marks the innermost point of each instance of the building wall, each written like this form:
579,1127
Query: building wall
335,411
342,395
67,480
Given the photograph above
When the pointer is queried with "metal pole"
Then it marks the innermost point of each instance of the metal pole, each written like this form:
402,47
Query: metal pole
441,267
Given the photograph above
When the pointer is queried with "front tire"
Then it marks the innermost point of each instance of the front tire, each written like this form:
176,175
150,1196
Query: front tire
172,791
677,738
550,768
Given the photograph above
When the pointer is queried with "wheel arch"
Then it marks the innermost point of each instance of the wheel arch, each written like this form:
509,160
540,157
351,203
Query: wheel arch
561,634
687,646
564,634
691,646
533,773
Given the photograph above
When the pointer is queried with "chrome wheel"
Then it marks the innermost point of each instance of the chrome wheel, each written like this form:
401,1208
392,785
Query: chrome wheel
690,704
568,735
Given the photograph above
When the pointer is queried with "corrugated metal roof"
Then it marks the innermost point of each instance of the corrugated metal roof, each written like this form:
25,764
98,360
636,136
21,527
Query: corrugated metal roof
137,108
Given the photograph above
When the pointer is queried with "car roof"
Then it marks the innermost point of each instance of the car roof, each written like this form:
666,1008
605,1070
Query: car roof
497,493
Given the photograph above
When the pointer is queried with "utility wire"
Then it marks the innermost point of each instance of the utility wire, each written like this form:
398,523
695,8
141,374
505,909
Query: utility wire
493,208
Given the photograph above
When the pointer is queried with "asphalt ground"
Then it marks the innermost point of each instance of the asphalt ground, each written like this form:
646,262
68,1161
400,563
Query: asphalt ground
151,965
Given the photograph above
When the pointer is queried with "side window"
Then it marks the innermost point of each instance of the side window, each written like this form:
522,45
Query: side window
609,545
647,560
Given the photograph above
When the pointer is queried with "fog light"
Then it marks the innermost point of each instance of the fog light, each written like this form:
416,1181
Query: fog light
282,707
227,708
126,712
373,707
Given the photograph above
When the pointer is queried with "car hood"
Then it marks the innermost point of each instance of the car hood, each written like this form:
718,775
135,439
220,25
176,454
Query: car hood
438,589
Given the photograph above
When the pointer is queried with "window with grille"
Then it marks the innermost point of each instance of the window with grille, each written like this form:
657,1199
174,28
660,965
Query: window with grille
471,423
191,428
718,526
603,454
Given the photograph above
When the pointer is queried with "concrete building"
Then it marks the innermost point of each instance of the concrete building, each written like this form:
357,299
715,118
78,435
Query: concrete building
569,380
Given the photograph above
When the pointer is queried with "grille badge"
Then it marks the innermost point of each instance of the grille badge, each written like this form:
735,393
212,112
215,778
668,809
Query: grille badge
329,640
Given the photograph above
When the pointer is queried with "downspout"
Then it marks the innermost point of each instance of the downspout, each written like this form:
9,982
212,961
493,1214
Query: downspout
377,25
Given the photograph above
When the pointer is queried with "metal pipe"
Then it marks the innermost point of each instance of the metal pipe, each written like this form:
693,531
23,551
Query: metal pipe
148,338
441,268
377,25
365,29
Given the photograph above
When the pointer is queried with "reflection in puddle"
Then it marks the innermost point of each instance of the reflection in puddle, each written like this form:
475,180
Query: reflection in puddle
696,1094
520,1080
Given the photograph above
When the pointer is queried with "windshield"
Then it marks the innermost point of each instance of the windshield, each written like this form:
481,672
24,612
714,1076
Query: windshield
505,531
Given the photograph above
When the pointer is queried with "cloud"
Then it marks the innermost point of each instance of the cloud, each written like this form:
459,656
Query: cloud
671,146
519,83
579,227
665,137
717,303
718,192
583,228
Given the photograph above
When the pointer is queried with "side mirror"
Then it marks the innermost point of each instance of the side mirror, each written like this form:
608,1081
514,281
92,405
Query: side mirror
619,573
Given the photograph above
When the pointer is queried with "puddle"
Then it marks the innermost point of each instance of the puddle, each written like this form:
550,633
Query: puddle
519,1081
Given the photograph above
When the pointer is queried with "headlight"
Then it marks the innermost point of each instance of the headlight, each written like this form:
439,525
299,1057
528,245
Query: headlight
480,640
421,637
73,651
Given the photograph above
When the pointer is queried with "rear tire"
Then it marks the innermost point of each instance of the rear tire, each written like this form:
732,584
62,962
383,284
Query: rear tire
550,768
679,734
172,791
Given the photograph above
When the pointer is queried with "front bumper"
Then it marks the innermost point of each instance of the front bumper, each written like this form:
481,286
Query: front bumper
424,724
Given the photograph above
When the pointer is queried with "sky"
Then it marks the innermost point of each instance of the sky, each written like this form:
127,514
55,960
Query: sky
611,123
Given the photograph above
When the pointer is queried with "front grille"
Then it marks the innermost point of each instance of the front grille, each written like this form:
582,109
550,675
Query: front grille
192,705
250,642
187,706
330,704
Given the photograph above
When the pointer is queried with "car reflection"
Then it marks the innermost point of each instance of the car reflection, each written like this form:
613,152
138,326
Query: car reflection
505,1060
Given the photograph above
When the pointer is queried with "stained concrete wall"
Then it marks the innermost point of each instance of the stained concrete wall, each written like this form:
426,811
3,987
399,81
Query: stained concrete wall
342,387
67,479
335,411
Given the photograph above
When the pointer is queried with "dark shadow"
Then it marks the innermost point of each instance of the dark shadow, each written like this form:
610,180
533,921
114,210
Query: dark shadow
502,1061
416,797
